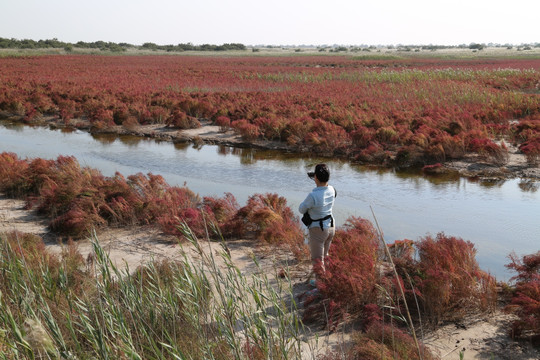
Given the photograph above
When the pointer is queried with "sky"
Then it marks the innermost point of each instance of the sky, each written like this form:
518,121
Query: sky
274,22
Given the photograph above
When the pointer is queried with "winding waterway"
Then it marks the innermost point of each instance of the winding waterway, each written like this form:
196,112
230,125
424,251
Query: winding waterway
498,217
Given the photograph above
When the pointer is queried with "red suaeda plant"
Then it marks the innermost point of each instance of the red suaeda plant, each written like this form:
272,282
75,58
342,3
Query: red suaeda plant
351,271
380,340
409,155
180,205
181,120
13,181
80,218
270,220
272,127
222,211
78,200
327,138
148,199
223,122
384,341
526,295
449,280
526,130
531,149
446,280
119,204
488,149
59,183
247,130
68,194
401,250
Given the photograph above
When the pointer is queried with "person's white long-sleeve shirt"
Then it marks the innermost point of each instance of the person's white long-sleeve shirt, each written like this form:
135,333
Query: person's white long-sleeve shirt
319,203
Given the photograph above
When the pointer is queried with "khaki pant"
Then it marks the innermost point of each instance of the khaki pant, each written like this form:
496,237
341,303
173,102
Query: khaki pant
319,243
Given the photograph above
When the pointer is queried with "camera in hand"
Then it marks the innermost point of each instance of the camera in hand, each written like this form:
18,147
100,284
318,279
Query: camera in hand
311,174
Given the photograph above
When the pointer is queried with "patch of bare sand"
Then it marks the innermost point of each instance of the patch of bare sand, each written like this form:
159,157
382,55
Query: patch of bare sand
484,337
13,217
514,166
206,133
478,338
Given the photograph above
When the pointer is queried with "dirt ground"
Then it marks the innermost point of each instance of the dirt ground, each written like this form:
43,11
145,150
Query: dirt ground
477,338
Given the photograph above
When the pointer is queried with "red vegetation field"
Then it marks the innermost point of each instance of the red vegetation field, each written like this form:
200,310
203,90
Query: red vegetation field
401,111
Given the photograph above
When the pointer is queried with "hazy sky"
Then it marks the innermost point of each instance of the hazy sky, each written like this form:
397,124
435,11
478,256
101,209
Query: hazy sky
274,22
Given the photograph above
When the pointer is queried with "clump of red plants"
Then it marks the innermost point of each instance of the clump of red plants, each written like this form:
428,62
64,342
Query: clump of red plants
270,219
439,276
351,270
78,199
525,302
447,279
527,134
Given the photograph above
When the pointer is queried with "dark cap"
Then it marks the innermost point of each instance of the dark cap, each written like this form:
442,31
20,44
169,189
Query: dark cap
322,173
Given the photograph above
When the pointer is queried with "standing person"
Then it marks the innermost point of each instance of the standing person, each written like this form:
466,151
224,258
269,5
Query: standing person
318,204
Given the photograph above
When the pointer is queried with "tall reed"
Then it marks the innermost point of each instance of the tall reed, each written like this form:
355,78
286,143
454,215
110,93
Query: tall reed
188,309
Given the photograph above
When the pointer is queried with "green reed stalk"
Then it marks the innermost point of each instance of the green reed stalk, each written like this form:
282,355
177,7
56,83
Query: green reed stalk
402,291
250,306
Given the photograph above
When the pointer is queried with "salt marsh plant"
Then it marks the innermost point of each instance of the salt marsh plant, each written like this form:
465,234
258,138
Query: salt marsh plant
447,279
273,223
525,302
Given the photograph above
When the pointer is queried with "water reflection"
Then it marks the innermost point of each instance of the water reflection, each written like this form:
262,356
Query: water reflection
104,139
66,130
15,126
223,150
131,141
181,145
490,183
529,185
442,179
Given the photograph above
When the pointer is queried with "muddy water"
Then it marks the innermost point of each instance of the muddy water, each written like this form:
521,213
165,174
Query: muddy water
498,217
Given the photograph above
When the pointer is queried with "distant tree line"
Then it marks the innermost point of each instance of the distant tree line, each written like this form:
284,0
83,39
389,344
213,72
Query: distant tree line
417,48
191,47
110,46
120,47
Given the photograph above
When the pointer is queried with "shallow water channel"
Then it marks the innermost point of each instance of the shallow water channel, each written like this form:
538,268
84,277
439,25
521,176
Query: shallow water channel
498,217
